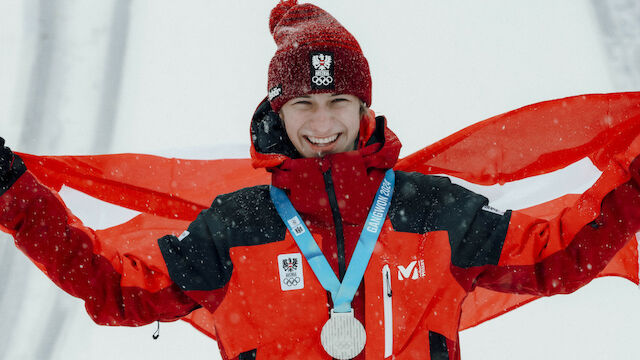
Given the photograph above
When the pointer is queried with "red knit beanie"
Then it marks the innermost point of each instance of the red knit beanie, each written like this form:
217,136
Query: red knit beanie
315,54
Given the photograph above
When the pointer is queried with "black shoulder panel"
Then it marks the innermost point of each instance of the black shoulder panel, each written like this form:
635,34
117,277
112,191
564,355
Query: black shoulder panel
250,217
200,259
424,203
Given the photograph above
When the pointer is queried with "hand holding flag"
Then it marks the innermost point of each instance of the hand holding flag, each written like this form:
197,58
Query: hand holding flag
10,169
6,156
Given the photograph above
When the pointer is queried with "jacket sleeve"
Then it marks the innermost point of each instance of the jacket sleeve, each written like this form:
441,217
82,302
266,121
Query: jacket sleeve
525,265
72,256
198,261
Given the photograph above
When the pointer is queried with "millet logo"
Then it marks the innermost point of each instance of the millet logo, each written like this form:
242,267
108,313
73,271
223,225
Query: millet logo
414,271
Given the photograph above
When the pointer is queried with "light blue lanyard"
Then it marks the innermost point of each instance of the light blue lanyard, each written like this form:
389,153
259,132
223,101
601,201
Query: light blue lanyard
341,293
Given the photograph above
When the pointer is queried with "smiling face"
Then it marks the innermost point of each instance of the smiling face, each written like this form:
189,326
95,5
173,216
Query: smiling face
320,124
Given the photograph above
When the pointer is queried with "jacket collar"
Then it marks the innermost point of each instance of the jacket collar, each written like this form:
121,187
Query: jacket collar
355,175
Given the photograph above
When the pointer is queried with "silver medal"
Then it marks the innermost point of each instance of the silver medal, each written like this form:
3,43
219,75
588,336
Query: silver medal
343,337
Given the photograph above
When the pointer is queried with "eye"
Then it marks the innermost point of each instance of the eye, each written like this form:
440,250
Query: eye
338,100
302,102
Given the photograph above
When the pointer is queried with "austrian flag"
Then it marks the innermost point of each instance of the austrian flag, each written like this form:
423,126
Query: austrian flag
540,159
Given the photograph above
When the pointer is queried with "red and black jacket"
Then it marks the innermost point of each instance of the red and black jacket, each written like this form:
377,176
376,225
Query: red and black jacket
439,242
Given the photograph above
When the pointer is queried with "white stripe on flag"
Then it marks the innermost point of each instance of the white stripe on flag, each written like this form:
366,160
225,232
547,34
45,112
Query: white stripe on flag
573,179
95,213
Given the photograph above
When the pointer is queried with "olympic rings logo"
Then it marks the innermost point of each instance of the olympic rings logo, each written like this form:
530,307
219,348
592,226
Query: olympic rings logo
322,80
292,281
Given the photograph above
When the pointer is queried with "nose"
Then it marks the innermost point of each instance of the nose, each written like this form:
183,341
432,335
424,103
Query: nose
321,120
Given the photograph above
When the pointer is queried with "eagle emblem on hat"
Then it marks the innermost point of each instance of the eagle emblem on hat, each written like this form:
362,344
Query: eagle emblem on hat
322,70
321,61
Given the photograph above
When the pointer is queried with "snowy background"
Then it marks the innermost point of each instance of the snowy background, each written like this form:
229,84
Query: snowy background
183,78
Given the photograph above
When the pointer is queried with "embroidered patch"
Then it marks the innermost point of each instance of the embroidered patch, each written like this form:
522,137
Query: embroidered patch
275,92
414,271
290,267
322,66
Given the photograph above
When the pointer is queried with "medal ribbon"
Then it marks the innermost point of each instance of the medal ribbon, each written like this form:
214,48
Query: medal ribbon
341,293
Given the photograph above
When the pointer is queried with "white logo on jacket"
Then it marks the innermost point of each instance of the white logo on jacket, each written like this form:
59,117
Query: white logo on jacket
414,271
290,268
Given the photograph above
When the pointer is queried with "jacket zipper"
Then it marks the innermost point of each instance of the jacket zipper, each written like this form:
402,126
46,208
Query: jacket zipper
388,311
337,221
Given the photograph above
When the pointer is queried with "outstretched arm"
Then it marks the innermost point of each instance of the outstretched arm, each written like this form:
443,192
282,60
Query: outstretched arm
70,255
525,266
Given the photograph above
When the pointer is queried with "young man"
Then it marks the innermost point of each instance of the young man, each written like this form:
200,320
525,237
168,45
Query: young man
391,257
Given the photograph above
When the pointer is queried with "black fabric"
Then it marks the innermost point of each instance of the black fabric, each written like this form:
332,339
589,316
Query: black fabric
424,203
201,261
11,168
337,222
268,133
248,355
438,346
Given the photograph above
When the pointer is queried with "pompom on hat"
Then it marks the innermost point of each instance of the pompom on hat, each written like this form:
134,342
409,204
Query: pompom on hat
315,54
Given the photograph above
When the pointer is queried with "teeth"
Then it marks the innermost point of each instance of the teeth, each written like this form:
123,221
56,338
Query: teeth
325,140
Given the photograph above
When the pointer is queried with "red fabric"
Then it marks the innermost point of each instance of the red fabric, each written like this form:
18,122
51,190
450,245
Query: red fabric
170,188
77,262
534,140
